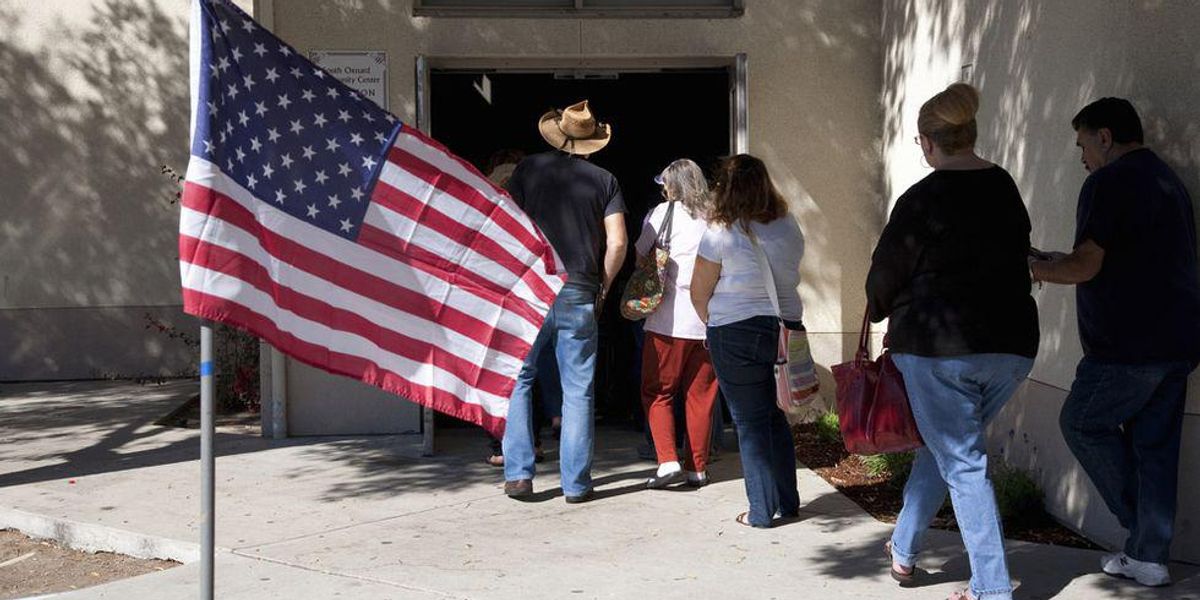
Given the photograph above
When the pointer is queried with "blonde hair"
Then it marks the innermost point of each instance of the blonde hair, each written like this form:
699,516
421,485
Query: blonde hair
948,118
684,181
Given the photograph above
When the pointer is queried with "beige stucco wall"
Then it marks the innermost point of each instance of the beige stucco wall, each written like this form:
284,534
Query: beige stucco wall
1036,63
93,99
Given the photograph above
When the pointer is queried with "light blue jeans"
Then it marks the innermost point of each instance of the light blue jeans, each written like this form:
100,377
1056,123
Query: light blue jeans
953,399
570,333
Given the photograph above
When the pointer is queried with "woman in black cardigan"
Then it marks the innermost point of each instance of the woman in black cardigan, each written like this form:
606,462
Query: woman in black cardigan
950,273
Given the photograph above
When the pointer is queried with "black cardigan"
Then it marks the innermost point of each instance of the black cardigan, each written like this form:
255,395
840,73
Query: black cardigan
950,269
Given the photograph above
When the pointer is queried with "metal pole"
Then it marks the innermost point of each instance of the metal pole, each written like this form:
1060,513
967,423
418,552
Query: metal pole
207,462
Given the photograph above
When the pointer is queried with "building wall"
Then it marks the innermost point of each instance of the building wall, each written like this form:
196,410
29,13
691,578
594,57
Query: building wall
93,100
813,87
1036,64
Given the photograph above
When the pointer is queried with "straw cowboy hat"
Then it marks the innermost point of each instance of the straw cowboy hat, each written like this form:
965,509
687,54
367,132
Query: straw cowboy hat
574,130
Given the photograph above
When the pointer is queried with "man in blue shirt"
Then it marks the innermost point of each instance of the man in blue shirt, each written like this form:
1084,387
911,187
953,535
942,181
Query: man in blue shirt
1138,302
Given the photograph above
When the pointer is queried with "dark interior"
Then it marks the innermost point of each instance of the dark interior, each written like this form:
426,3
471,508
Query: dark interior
655,118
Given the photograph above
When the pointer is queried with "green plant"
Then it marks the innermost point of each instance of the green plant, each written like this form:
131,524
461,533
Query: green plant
828,428
895,466
236,356
1018,496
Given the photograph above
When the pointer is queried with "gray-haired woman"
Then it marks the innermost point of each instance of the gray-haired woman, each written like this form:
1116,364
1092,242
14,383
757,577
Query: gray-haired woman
673,356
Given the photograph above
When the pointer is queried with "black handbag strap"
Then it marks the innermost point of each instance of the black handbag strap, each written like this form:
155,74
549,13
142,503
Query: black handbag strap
664,236
863,354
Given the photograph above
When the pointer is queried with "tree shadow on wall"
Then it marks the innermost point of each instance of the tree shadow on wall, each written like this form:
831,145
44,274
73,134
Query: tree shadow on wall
89,117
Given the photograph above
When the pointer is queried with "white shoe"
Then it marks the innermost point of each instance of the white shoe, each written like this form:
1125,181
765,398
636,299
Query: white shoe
1146,573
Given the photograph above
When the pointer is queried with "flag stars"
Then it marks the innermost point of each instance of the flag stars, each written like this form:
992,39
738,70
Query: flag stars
344,169
237,54
389,118
332,93
280,196
267,170
208,147
356,193
229,127
286,160
309,152
260,108
255,145
332,145
224,136
308,95
334,202
297,73
284,102
241,156
233,91
346,225
356,139
284,50
379,137
368,163
223,64
320,120
251,181
272,135
299,183
243,118
312,211
321,178
248,25
296,127
368,117
319,73
260,50
224,26
343,116
229,165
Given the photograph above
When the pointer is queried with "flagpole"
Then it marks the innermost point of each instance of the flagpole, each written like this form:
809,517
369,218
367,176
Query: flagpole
207,462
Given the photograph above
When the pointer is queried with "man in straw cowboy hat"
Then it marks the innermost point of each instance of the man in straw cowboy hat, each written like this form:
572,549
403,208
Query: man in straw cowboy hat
578,206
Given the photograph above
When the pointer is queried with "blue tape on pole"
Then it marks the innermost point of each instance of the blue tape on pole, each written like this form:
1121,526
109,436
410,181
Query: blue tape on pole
206,369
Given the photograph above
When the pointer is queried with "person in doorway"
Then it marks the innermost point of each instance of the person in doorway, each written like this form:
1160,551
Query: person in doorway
1137,294
674,358
949,272
749,217
579,208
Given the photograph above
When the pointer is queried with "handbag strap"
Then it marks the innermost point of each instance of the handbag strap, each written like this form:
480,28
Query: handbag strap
764,267
664,236
863,354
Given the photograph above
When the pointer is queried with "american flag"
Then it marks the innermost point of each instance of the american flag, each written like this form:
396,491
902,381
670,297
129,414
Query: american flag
347,239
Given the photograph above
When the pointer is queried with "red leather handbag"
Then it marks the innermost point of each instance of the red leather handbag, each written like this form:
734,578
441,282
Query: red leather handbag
872,404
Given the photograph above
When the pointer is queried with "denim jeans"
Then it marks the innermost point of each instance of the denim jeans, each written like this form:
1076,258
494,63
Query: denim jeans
743,355
1123,423
953,399
570,333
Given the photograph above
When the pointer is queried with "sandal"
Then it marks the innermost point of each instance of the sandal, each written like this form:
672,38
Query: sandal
496,460
904,578
961,595
743,519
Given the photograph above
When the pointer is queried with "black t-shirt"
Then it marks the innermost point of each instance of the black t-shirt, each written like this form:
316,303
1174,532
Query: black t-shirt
950,269
1144,304
568,198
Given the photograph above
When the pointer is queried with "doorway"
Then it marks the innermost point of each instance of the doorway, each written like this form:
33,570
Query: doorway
657,115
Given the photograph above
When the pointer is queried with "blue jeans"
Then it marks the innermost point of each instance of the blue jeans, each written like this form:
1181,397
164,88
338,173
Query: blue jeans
1124,423
570,333
953,399
743,356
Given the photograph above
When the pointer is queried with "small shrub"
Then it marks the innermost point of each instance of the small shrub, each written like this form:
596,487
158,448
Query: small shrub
1018,496
828,428
895,466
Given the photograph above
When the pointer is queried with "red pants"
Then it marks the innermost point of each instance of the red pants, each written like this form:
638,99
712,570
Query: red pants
669,365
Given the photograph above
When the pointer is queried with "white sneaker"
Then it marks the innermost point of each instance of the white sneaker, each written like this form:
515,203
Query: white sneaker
1146,573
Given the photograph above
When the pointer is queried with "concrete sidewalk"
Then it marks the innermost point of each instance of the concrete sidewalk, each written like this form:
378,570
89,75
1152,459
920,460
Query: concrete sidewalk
368,518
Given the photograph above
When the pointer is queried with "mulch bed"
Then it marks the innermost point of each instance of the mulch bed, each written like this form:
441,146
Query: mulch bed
882,498
33,567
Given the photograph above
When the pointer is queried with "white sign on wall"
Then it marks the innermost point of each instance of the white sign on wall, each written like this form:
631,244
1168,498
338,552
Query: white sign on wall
365,72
